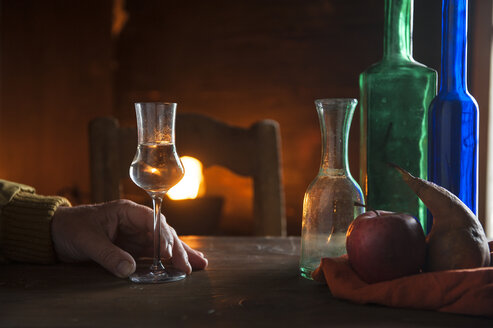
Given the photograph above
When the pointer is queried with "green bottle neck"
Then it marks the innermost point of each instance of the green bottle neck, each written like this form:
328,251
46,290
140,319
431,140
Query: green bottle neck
397,41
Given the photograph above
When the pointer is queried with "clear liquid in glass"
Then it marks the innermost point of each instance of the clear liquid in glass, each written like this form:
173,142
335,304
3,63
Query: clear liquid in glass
156,167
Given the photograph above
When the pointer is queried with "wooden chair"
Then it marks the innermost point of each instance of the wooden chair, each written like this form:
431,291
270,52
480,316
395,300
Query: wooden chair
253,152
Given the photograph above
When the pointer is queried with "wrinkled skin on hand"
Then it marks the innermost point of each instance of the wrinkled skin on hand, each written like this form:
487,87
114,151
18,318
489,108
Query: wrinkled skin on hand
113,233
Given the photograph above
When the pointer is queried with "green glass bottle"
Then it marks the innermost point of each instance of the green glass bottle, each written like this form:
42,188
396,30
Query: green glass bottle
395,95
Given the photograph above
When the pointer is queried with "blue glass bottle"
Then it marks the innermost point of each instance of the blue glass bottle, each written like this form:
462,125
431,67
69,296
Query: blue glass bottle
453,113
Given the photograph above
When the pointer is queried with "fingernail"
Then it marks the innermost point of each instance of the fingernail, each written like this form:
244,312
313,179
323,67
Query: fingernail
169,249
124,269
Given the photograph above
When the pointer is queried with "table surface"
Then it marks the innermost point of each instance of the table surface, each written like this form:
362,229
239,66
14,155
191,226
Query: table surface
251,281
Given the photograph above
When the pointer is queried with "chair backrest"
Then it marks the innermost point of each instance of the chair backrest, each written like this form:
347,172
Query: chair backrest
253,152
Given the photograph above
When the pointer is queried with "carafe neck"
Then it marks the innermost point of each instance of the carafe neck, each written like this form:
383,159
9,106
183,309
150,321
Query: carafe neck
335,117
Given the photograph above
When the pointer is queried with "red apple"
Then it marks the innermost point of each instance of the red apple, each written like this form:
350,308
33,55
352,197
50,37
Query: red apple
385,245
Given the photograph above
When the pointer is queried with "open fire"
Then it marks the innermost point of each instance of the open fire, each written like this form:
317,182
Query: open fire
188,209
192,184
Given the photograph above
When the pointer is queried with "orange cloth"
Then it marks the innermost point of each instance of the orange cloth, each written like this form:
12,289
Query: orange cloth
458,291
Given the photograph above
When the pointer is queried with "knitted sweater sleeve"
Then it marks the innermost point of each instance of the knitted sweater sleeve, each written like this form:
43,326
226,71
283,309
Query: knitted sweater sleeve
25,223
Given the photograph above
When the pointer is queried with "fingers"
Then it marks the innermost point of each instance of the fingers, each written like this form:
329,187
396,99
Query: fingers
177,252
137,216
180,257
172,249
167,239
109,256
196,259
137,221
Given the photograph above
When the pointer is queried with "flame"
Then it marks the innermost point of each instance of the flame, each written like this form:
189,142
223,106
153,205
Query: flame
190,186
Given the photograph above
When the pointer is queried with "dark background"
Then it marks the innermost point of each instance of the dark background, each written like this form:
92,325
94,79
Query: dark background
66,62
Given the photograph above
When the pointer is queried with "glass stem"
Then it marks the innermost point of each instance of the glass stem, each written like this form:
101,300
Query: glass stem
156,202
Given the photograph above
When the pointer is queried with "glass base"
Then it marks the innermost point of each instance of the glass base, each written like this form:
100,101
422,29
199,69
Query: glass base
145,275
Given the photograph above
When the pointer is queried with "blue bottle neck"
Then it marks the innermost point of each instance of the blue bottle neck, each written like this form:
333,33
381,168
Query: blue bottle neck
454,46
397,41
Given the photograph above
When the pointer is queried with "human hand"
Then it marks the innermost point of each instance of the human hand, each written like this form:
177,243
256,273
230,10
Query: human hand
113,233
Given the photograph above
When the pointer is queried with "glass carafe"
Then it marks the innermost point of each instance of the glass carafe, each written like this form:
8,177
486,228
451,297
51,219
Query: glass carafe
329,203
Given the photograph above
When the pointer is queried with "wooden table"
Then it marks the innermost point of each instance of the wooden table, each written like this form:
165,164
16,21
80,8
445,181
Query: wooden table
251,281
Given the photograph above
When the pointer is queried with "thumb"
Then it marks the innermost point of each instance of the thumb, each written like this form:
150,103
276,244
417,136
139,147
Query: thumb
111,257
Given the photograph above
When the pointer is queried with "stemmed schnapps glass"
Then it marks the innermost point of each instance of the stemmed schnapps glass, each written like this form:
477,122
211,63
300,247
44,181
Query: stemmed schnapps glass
156,168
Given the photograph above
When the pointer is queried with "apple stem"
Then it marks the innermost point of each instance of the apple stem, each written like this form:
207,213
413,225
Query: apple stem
367,207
